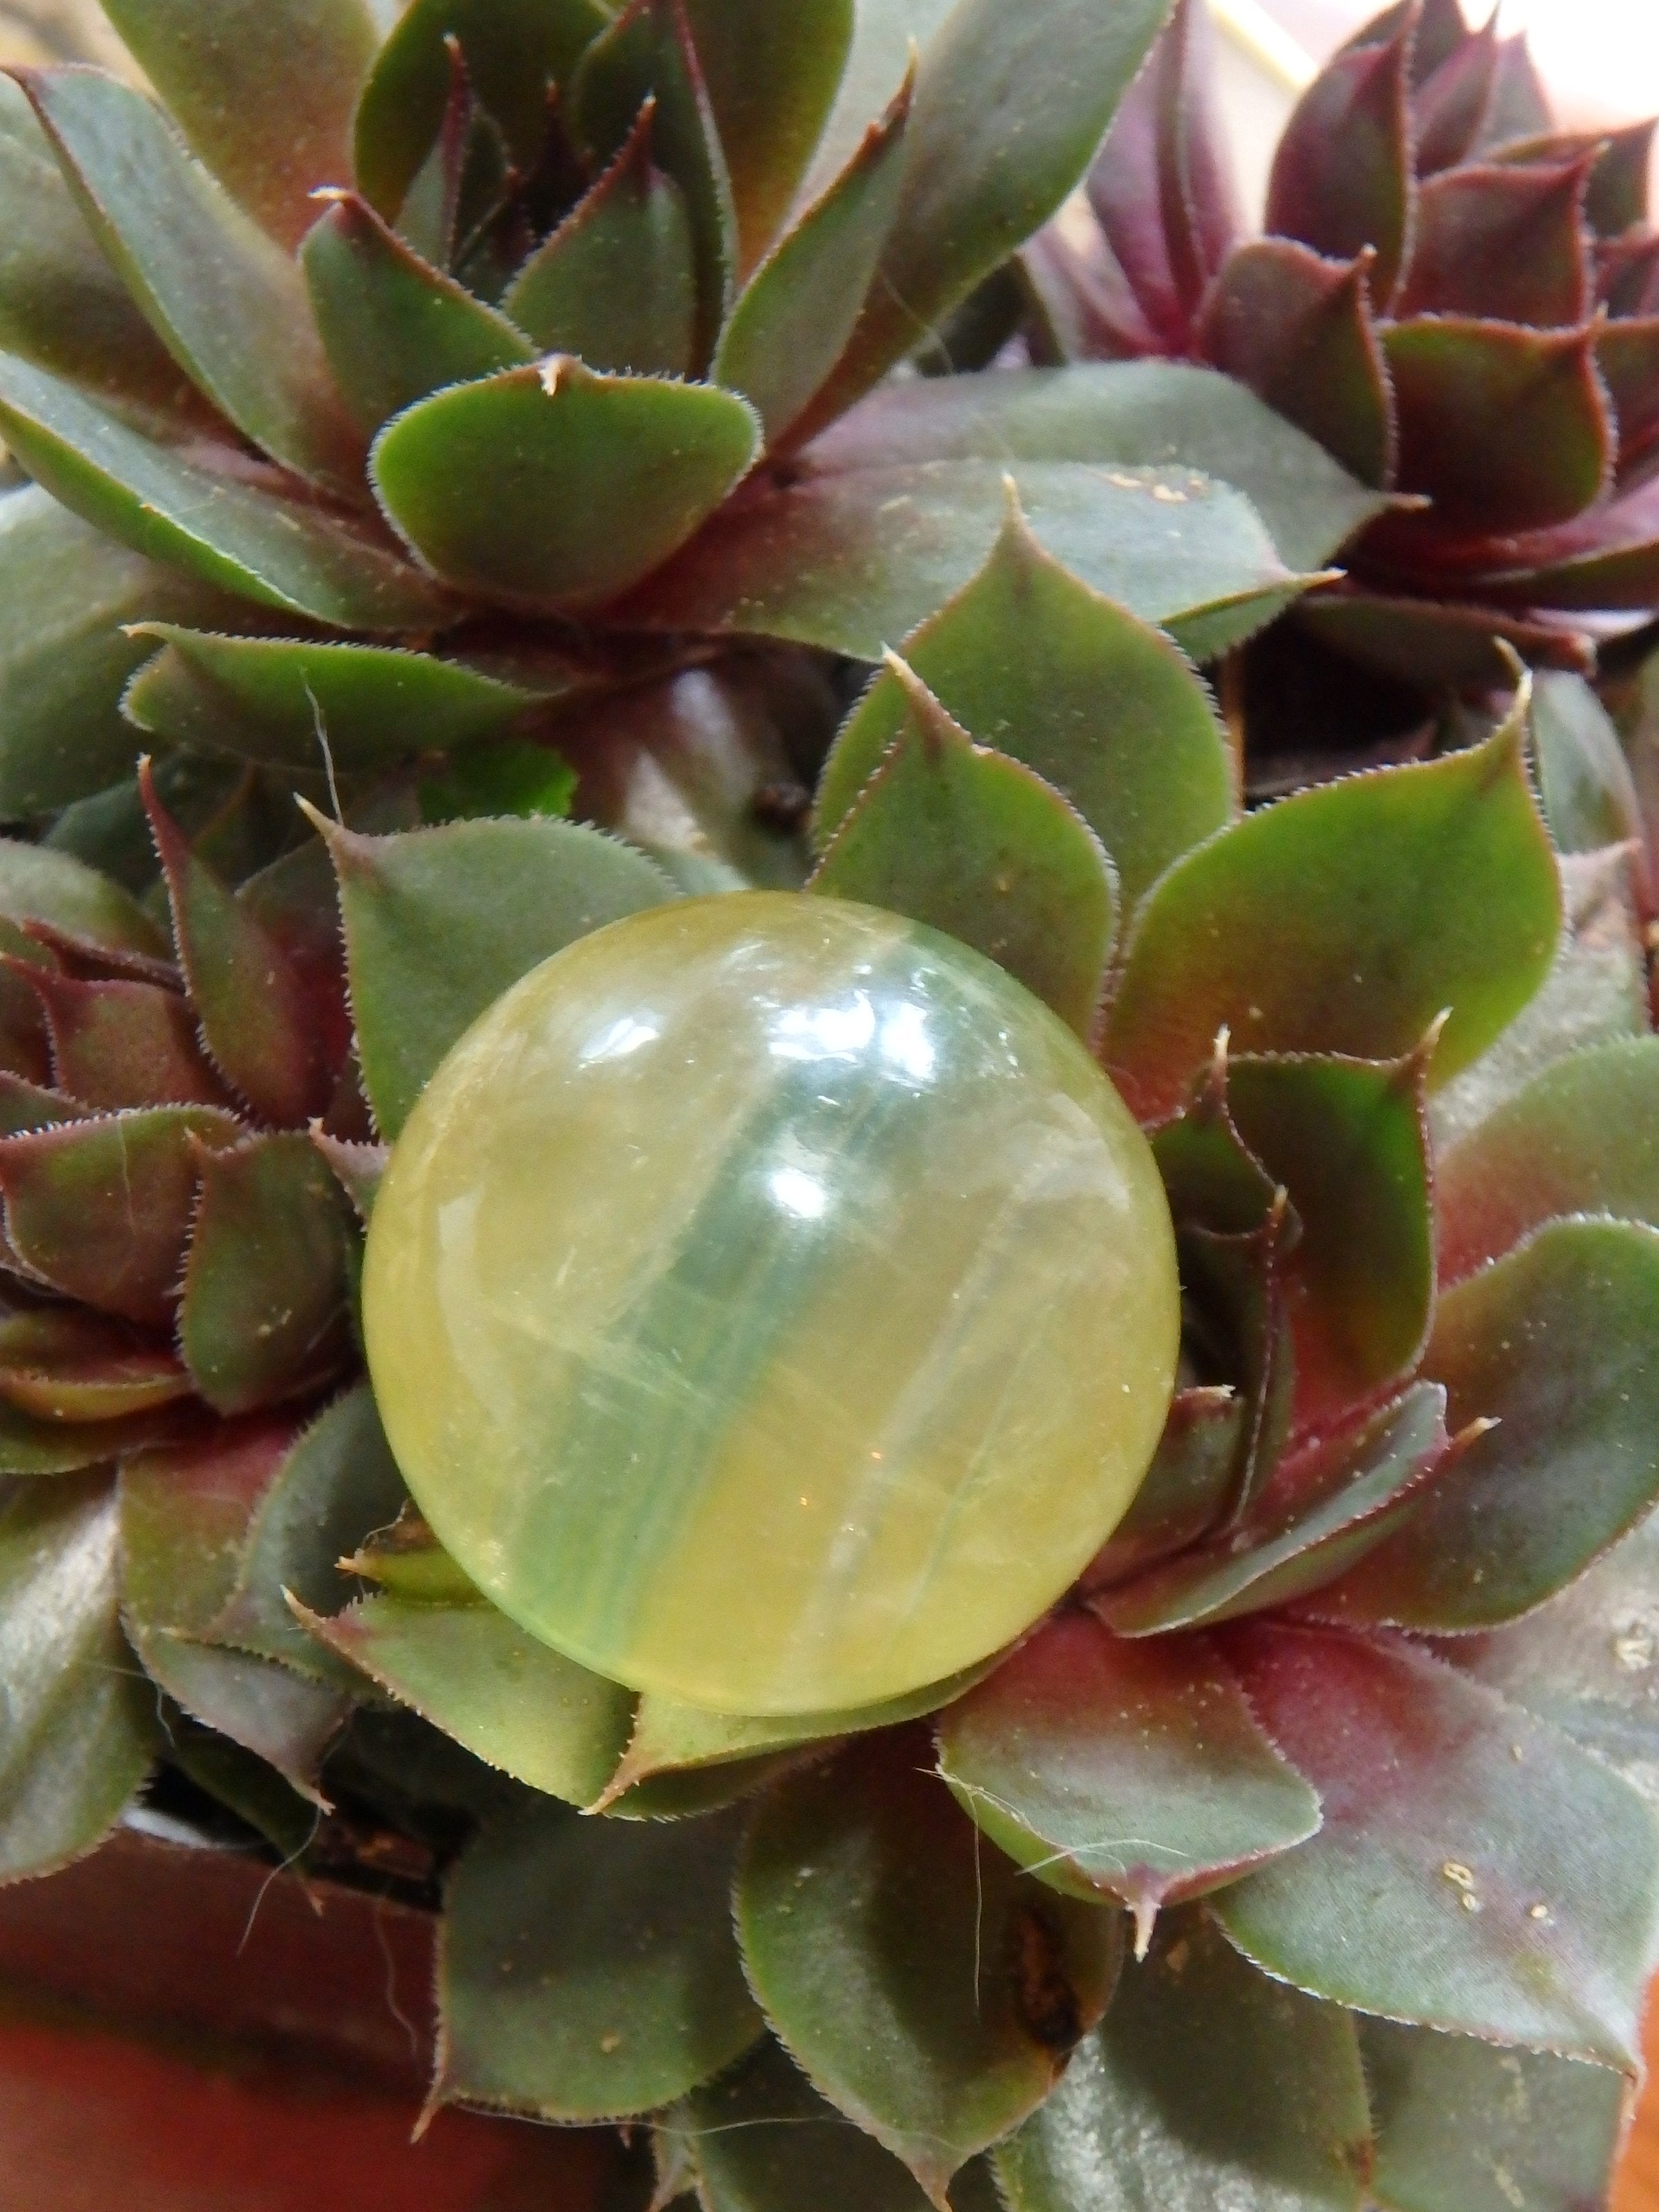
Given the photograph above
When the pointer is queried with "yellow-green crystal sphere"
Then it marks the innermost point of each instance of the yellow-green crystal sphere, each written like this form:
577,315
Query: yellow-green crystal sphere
771,1304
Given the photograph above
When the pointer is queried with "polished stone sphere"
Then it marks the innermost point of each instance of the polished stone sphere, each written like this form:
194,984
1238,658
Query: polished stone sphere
771,1304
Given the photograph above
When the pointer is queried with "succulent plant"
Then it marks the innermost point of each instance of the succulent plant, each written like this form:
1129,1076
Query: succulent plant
1453,295
1302,1856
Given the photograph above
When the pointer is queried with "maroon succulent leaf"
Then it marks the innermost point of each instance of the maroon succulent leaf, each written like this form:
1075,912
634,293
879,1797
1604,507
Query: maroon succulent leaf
1504,429
1327,1506
1297,328
116,1044
100,1210
1342,177
251,1003
1455,644
1518,105
61,1365
1509,244
1609,558
1452,99
1627,355
1476,1870
1161,189
1131,1772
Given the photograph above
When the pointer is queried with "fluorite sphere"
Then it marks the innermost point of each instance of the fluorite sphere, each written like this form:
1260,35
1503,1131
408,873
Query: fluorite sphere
771,1304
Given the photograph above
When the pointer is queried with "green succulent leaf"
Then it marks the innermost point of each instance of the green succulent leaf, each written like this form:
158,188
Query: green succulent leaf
1185,1492
1588,1661
514,49
426,957
1505,428
393,328
496,484
850,558
1589,794
265,94
66,1365
671,1740
1583,1137
883,32
793,321
931,1993
66,593
1438,1792
521,779
61,303
267,1310
63,898
216,527
1030,659
251,1004
588,1969
226,302
616,284
78,1727
1297,329
1553,1344
1326,1507
515,1703
1595,993
187,1509
1342,176
335,1487
1463,2127
1208,2085
979,846
647,54
294,704
1128,414
1347,1140
772,80
1010,104
1121,1772
1344,920
100,1210
760,2139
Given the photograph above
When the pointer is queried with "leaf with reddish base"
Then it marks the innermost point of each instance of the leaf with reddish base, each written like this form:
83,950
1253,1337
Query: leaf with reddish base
1112,1771
1582,1137
1504,429
248,999
1476,1871
1553,1344
1298,329
969,842
117,1044
65,1366
1237,1320
1208,2087
1607,559
185,1513
265,1311
1508,243
1450,646
40,886
1322,1509
1342,177
1627,355
1344,920
931,1990
1161,189
100,1210
1186,1490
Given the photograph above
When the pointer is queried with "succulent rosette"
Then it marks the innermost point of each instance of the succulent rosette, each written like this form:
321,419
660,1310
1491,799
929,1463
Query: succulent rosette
1302,1858
1453,294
